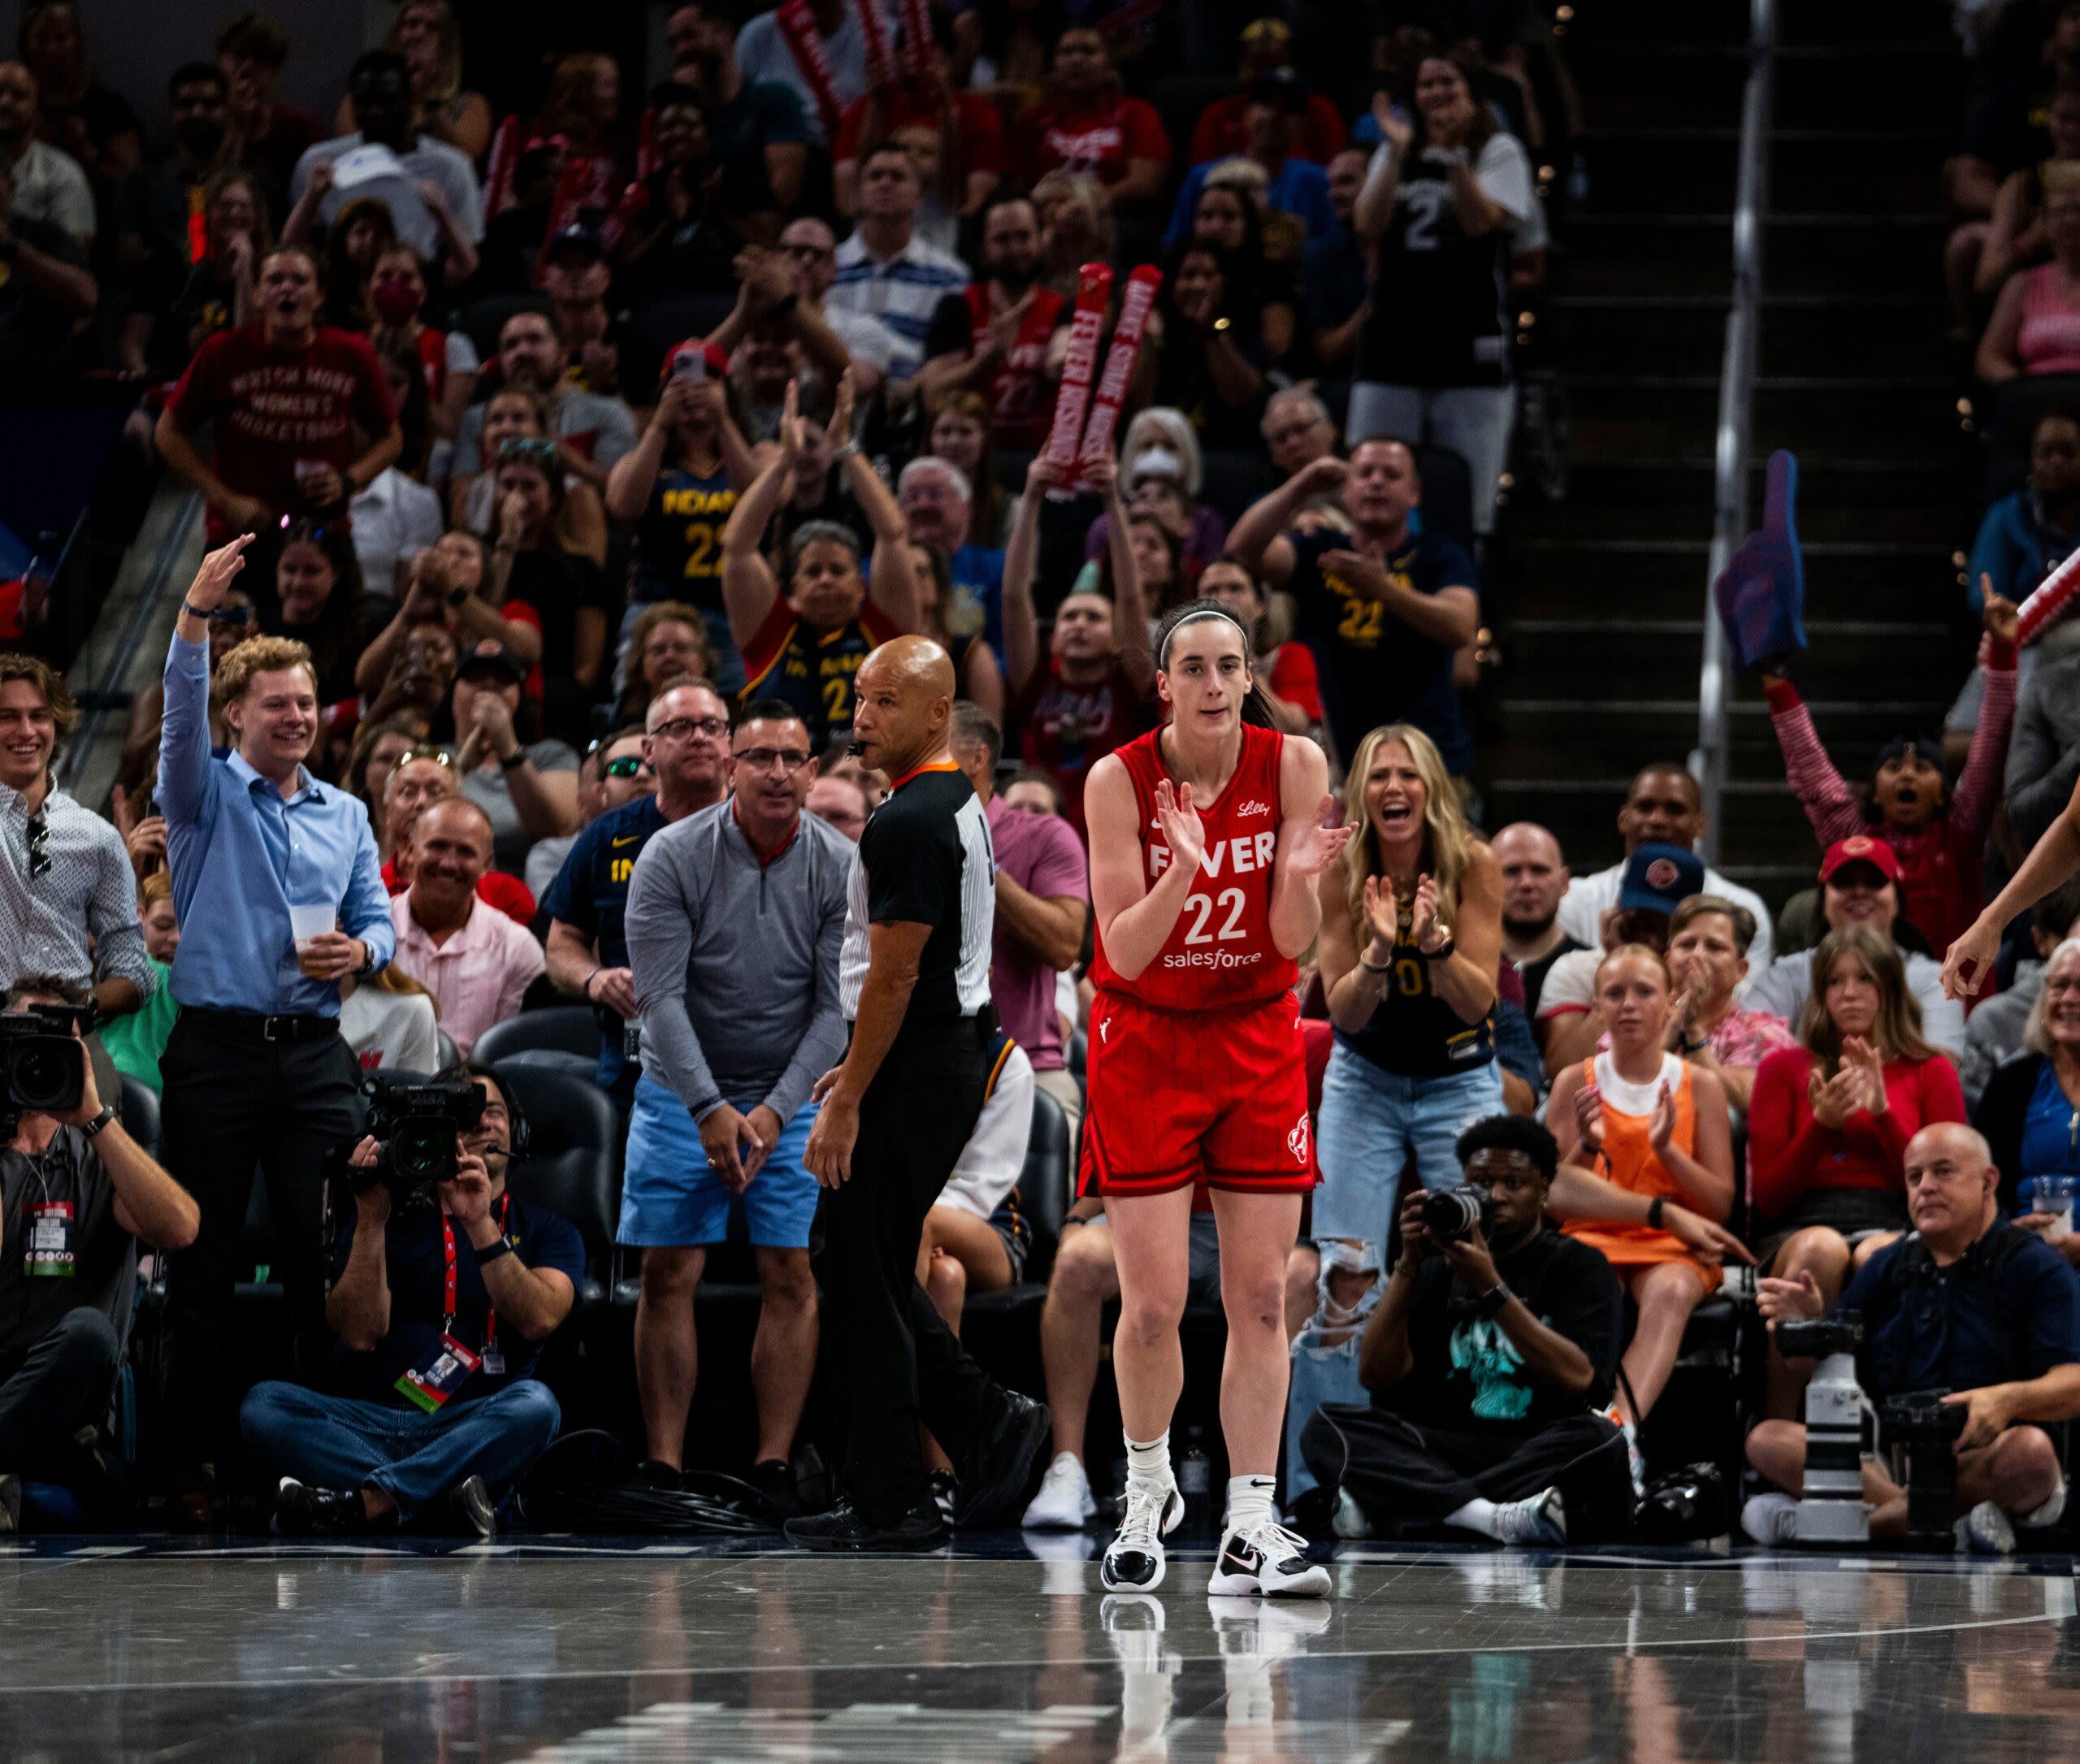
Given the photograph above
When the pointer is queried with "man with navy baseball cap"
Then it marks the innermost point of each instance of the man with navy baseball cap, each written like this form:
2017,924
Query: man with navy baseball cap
1655,880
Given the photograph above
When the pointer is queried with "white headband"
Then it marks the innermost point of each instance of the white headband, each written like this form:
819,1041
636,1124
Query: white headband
1194,617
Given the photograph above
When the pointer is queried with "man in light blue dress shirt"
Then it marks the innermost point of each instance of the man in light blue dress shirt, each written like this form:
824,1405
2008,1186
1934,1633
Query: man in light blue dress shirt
280,891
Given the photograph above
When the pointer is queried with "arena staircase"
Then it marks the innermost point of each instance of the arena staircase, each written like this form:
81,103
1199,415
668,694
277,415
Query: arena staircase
1599,634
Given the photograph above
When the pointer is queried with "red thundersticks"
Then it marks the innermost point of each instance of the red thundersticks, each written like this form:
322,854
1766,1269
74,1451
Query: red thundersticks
2049,601
1135,305
1094,290
917,37
797,26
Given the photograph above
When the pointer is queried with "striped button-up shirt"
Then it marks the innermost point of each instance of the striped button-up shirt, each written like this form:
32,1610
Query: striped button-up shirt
903,292
69,907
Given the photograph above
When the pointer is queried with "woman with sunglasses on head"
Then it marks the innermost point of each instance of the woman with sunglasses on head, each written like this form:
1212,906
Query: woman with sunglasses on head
581,521
1207,846
670,642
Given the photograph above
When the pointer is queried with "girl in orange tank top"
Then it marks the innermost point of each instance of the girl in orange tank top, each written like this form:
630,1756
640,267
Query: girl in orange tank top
1642,1120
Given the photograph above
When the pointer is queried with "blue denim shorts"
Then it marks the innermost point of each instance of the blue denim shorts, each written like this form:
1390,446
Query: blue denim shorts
669,1195
1373,1123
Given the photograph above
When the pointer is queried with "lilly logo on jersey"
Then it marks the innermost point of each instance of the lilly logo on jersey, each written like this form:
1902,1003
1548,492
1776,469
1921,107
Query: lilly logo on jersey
1252,806
1246,853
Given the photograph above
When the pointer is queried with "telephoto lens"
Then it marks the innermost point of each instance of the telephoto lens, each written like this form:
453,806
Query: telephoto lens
1449,1214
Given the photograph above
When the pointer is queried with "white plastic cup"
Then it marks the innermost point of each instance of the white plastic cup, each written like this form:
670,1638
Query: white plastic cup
2054,1195
308,922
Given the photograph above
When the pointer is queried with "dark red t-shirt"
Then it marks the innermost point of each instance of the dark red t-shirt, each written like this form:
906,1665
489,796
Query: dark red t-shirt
1097,142
1069,729
270,407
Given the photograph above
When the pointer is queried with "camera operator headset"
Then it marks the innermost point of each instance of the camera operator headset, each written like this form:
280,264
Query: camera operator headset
473,1206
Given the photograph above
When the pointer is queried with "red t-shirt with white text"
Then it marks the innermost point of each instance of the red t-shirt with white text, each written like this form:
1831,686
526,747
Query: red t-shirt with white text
1097,142
270,406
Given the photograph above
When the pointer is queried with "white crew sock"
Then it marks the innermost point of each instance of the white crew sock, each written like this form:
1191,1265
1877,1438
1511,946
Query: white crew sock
1250,1502
1476,1515
1149,1463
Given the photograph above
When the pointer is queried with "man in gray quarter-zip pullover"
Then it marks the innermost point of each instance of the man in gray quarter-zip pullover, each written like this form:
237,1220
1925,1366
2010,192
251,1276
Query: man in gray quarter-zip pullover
733,921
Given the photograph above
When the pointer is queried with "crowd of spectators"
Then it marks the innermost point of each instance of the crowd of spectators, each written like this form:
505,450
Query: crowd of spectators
565,454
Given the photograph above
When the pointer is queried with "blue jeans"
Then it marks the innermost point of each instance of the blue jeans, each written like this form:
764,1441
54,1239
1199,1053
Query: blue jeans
337,1442
1372,1124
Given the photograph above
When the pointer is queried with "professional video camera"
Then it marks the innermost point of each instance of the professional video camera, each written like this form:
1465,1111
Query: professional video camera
42,1065
418,1125
1832,1510
1927,1428
1449,1214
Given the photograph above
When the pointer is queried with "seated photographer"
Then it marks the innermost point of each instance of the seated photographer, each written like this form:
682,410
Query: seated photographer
1487,1357
1971,1305
75,1192
443,1292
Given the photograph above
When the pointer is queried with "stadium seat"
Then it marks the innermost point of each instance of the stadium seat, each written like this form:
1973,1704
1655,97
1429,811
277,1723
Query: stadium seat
139,1104
572,1167
569,1028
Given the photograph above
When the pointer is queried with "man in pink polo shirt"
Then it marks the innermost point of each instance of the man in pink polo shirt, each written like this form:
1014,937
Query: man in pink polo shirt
474,960
1043,904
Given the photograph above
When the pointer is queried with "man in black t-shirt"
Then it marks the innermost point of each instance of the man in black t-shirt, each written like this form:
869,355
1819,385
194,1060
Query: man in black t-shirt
1384,610
76,1193
441,1300
913,981
1485,1364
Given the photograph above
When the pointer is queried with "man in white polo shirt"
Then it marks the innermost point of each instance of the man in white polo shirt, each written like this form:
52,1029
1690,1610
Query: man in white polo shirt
885,271
1662,808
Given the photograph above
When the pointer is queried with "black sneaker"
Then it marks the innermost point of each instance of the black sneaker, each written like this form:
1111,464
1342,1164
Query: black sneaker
654,1473
470,1503
999,1474
303,1511
774,1480
945,1493
844,1527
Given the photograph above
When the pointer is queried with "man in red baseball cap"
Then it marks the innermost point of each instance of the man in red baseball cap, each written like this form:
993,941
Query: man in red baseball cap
1859,885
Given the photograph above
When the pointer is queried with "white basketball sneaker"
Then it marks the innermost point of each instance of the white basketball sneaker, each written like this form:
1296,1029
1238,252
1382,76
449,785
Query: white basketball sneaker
1134,1560
1268,1559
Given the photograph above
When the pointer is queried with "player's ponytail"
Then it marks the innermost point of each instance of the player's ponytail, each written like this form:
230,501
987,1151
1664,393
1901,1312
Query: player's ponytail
1256,707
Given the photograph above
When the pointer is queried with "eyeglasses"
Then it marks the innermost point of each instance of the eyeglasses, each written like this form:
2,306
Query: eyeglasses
39,830
763,759
685,728
428,751
629,765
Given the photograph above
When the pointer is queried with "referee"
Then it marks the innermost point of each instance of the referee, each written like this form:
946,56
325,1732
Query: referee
914,985
256,1070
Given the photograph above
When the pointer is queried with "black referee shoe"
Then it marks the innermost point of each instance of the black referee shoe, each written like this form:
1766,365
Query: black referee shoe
845,1528
998,1473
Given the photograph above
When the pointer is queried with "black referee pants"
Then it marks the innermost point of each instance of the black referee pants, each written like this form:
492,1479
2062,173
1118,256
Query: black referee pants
233,1100
1401,1473
901,1364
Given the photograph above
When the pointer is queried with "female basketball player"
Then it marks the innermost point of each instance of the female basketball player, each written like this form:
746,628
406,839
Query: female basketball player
1208,841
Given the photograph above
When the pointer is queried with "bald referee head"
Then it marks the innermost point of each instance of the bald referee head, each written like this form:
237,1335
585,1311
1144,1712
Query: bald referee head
903,705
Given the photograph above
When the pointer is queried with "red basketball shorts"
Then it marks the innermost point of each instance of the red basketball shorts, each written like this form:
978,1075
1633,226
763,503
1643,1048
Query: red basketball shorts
1181,1097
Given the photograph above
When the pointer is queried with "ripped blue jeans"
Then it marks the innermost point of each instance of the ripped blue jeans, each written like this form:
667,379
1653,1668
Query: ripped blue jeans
1373,1125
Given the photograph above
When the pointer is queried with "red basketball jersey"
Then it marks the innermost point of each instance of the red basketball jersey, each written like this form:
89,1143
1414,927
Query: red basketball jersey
1220,953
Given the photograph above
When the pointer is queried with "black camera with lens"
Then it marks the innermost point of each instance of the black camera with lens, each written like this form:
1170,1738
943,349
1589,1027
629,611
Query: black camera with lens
1926,1427
418,1124
1450,1213
43,1065
1818,1337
